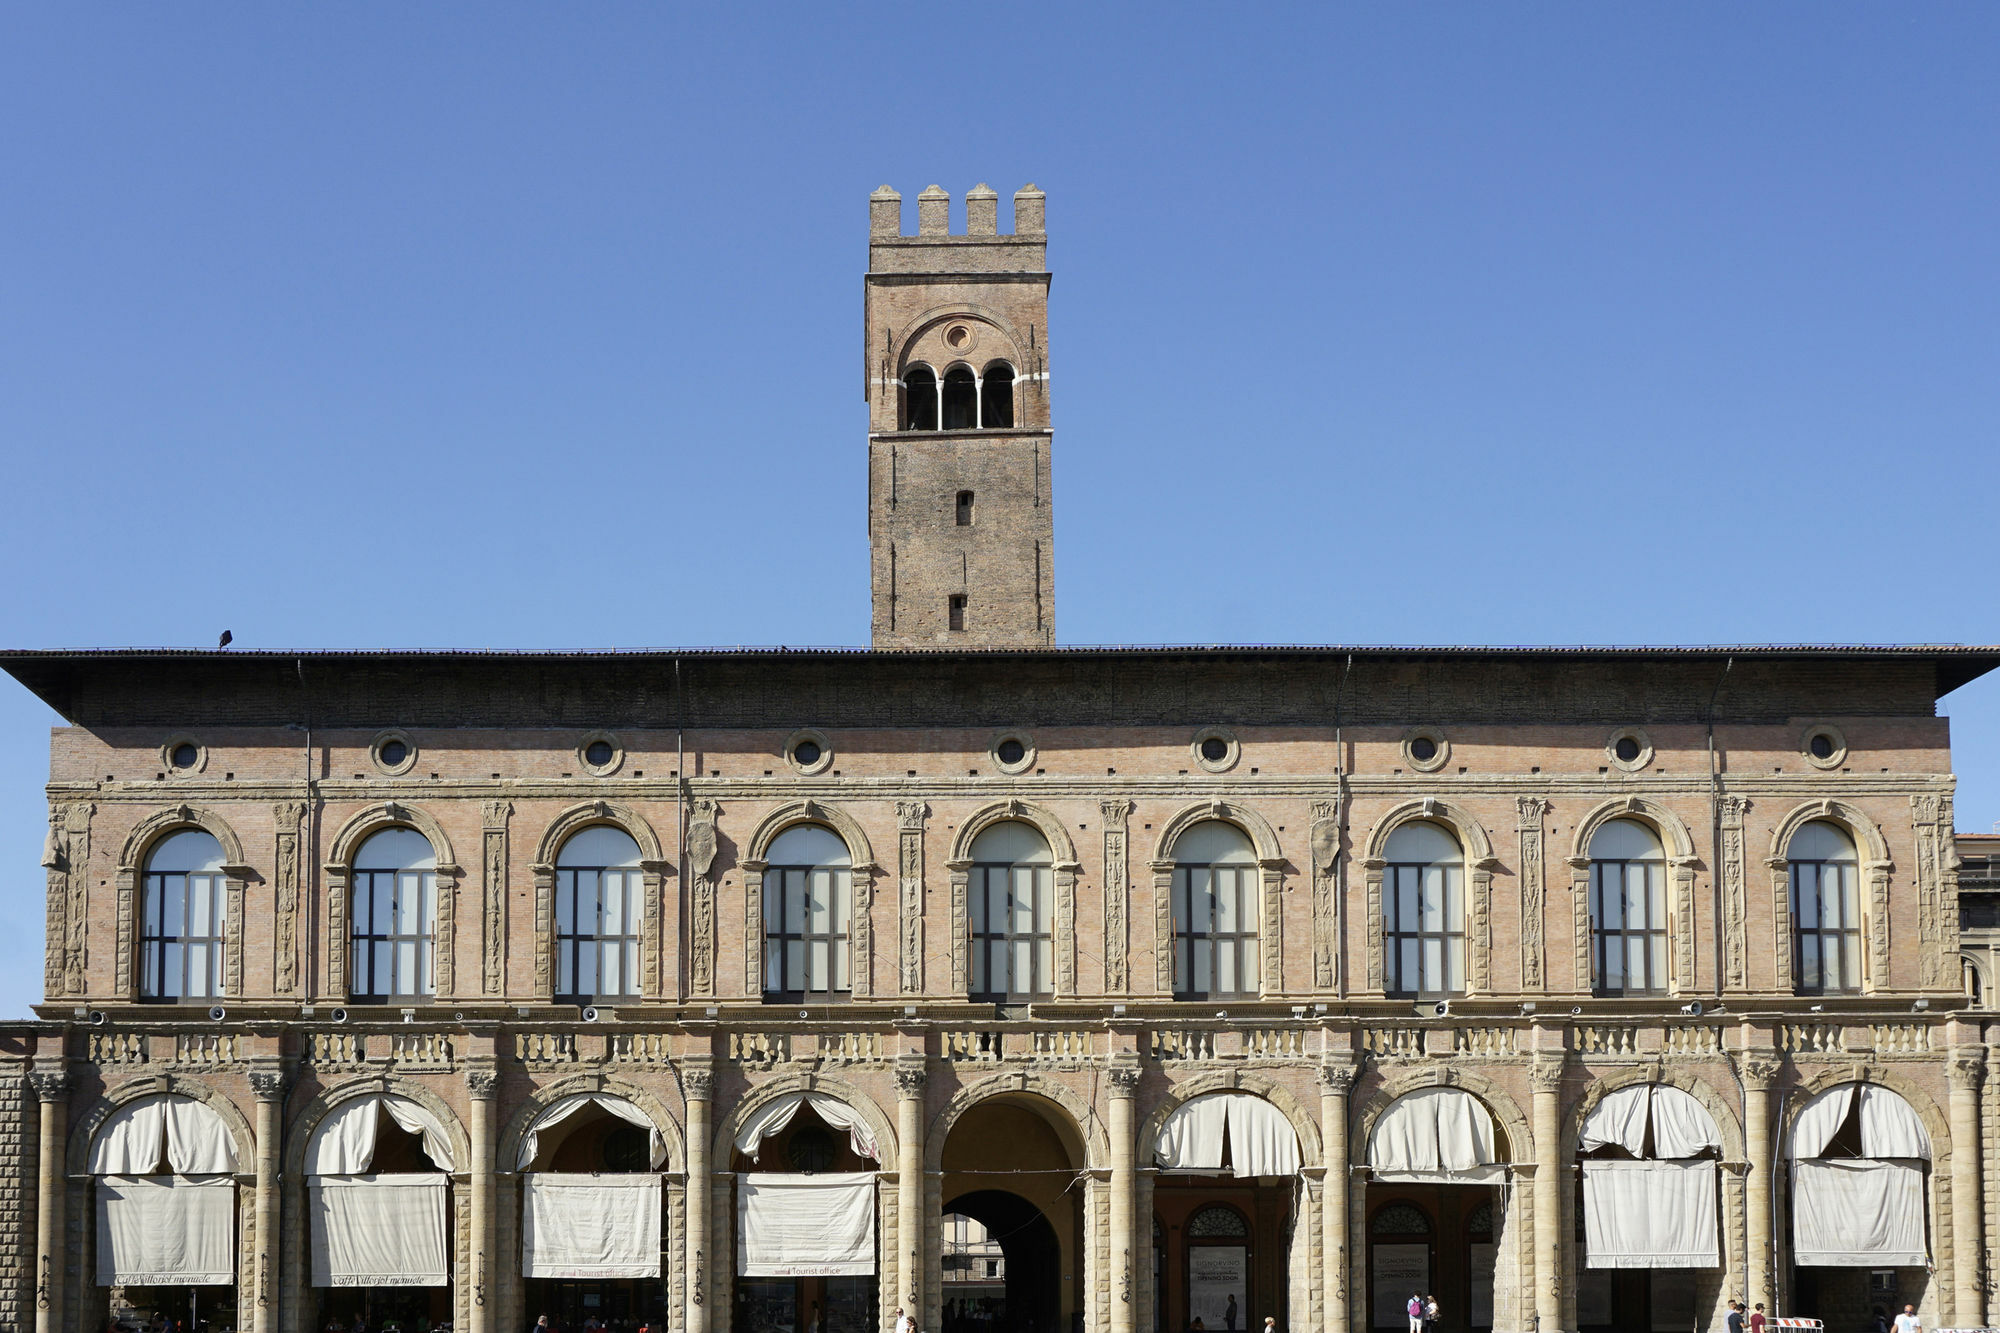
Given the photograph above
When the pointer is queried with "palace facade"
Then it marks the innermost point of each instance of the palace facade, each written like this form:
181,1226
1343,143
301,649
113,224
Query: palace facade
1014,986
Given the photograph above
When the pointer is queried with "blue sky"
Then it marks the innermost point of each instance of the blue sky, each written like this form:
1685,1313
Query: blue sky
538,326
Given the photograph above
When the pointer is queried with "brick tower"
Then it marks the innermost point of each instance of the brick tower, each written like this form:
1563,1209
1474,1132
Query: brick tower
959,529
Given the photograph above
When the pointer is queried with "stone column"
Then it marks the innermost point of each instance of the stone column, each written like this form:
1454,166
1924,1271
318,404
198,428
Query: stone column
1335,1081
1968,1241
52,1090
482,1085
910,1231
699,1082
1545,1089
1759,1071
269,1087
1124,1171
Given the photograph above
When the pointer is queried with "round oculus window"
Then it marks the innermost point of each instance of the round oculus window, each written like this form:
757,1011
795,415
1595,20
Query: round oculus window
186,755
1820,746
806,753
599,753
394,752
958,337
1423,749
1214,749
1626,748
1010,751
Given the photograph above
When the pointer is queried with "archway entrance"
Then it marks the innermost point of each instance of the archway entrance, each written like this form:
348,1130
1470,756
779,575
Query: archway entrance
814,1148
592,1210
1436,1210
1224,1208
380,1199
1013,1166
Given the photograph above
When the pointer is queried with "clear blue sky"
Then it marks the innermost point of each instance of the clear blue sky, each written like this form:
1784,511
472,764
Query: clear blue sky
497,326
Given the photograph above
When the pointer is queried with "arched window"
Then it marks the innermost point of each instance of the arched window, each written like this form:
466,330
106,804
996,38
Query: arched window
808,902
1628,909
1215,912
180,931
1013,949
996,396
961,399
600,898
1826,912
1423,909
395,916
920,398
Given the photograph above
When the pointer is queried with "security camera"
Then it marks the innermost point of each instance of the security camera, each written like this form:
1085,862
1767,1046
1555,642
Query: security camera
1527,1006
1693,1009
590,1013
217,1013
336,1016
1819,1009
1920,1006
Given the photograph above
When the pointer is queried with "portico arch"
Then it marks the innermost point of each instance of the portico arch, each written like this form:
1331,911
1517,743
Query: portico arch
525,1115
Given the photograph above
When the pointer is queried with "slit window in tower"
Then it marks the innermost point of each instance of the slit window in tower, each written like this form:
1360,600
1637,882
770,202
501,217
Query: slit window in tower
920,399
965,509
961,399
955,609
996,396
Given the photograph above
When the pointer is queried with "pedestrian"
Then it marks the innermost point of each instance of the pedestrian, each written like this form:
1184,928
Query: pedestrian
1415,1309
1430,1313
1757,1320
812,1324
904,1324
1270,1324
542,1325
1734,1324
1907,1322
1229,1315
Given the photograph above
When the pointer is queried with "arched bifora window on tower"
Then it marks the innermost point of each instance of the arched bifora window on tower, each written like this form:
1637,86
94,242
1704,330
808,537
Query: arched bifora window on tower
600,898
1826,910
961,399
180,929
920,399
1011,904
394,917
1215,913
1628,910
1423,910
808,902
996,397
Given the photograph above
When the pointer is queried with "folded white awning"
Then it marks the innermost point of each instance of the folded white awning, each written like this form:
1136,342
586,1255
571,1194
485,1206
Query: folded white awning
1261,1140
557,1112
189,1134
1854,1213
590,1226
1681,1125
166,1231
777,1114
1444,1135
1650,1214
379,1231
344,1142
805,1225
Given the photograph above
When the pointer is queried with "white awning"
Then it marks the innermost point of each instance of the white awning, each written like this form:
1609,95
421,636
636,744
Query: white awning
188,1133
775,1116
1890,1127
1820,1119
1682,1126
1261,1140
166,1231
344,1143
590,1226
379,1231
1849,1213
805,1225
557,1112
1650,1214
1443,1135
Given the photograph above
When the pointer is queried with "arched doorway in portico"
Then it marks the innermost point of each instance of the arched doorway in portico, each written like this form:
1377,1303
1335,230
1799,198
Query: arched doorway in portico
1014,1164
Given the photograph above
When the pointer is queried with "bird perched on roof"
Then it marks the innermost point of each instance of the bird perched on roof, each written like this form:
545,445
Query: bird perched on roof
223,642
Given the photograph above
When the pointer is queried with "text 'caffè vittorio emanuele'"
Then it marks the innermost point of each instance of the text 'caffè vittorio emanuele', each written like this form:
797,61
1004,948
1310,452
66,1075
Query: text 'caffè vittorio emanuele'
1017,987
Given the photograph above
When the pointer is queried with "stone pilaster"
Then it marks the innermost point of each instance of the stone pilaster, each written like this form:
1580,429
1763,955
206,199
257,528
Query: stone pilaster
910,1079
1968,1239
482,1086
699,1083
52,1091
1336,1081
1760,1072
1545,1078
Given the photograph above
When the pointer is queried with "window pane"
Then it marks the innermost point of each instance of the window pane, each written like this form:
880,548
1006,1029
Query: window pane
151,910
631,949
586,970
1024,900
200,891
1432,917
1249,972
1225,969
979,985
385,968
1843,878
1610,898
382,897
1614,962
1656,891
843,896
1183,960
1204,956
819,907
175,982
1407,976
1182,917
1850,976
1454,977
426,972
1226,919
1045,965
1023,980
795,964
1806,897
614,902
774,900
610,970
1809,973
1454,905
175,923
1433,973
774,964
818,978
1406,898
1656,975
840,981
149,969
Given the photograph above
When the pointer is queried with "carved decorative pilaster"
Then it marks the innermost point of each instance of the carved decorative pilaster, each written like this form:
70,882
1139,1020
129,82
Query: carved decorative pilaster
482,1084
910,1080
702,847
1759,1071
1325,886
1966,1071
1065,930
493,898
1579,921
1336,1078
1163,926
1123,1080
287,880
1545,1075
1117,896
267,1085
1371,870
50,1085
445,962
910,895
1681,868
1271,947
1479,929
1735,904
1530,811
861,932
69,904
1937,896
698,1084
